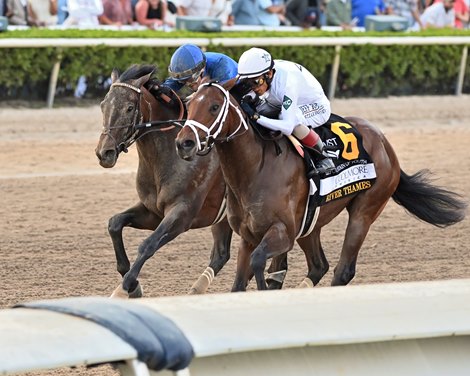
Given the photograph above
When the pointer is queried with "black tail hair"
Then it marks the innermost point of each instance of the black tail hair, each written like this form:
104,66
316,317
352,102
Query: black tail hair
430,203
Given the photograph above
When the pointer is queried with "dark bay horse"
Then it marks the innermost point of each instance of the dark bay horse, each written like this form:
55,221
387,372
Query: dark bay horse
174,196
267,192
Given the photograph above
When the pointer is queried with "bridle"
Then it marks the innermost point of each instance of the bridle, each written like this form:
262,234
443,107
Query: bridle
206,145
135,129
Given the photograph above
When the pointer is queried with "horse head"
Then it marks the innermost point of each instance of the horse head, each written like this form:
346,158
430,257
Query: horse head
213,115
133,99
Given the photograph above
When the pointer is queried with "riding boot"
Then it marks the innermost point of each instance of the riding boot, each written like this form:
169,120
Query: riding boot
325,164
312,141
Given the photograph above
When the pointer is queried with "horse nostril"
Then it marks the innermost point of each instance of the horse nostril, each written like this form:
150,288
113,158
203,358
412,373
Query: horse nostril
188,144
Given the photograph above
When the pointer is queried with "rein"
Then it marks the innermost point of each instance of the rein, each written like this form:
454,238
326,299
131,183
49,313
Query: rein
205,146
138,124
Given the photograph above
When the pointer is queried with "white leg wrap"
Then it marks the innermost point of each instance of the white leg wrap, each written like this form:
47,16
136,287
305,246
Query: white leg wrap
305,284
203,282
119,293
277,276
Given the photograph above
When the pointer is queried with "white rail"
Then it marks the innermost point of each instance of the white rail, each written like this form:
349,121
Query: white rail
337,42
407,329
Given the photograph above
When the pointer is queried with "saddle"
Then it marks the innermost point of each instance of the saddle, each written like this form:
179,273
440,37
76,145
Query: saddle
354,169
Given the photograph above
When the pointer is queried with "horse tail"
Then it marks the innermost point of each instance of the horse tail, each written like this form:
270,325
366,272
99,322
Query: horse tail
430,203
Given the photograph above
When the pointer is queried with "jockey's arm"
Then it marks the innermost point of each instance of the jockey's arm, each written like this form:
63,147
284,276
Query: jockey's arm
287,119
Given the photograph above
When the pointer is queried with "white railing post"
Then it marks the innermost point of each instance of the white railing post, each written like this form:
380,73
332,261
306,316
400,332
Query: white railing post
463,65
53,83
334,72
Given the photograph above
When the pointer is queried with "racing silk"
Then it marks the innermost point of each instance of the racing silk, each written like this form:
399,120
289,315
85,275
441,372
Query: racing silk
219,67
299,97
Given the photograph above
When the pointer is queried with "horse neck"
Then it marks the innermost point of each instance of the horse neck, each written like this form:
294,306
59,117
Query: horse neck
242,157
157,145
156,149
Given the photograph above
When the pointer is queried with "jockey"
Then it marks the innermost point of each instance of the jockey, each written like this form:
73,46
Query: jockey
289,88
189,65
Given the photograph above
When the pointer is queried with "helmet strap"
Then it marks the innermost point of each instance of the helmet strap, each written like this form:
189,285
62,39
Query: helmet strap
269,79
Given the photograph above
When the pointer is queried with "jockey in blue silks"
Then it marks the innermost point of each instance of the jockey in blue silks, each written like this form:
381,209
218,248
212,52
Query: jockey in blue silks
189,64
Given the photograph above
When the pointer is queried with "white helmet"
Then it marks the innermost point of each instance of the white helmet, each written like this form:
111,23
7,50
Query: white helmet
254,62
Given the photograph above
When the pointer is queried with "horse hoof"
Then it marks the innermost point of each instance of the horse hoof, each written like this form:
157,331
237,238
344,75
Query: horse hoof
120,293
138,292
274,285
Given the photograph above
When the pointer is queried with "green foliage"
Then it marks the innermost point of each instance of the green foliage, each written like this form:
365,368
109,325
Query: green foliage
365,70
398,70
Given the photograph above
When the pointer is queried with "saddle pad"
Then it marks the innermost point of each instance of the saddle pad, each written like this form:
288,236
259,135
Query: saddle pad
355,170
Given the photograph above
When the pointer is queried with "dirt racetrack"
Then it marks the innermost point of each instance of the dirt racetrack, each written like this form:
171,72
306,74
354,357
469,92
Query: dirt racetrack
56,201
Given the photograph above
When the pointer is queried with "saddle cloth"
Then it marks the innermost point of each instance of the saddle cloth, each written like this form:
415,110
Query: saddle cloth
355,170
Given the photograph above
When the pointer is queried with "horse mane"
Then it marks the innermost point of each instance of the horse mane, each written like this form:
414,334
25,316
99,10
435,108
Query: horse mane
136,71
153,85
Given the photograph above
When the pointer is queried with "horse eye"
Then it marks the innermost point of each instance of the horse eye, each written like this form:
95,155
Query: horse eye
130,108
214,107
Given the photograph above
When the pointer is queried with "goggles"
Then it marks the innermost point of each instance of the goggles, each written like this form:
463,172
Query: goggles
192,79
255,82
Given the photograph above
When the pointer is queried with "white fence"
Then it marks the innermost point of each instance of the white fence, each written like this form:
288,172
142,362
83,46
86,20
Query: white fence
337,42
408,329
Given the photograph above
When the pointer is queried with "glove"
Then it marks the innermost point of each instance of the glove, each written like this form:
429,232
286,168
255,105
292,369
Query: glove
249,110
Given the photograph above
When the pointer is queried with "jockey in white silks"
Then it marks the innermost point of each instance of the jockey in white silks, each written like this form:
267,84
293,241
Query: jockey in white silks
290,90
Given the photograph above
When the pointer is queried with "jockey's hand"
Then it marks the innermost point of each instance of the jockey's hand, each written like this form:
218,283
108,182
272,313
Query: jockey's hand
249,110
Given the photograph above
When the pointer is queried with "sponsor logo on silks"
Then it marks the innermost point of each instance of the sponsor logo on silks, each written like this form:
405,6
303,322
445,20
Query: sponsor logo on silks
286,102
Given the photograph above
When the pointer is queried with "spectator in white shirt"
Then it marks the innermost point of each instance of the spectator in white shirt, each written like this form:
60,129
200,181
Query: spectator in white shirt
439,15
220,9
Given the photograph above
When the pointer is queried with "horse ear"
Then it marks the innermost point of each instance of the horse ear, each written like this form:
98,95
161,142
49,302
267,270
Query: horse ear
230,83
114,75
142,80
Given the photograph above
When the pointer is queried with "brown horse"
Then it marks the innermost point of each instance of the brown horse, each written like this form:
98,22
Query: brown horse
267,192
174,195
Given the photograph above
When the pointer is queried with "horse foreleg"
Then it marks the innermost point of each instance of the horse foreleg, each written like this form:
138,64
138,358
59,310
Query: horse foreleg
175,222
220,254
275,242
137,217
316,260
244,272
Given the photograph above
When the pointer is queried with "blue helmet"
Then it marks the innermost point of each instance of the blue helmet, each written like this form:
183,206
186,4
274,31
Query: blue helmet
186,61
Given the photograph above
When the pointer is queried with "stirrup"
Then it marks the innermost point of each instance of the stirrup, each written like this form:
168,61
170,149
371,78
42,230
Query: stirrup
326,166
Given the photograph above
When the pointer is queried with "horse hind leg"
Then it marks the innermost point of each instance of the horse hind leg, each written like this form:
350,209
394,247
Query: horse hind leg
362,213
316,260
220,254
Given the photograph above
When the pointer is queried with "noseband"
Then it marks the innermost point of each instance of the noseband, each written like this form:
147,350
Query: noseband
205,146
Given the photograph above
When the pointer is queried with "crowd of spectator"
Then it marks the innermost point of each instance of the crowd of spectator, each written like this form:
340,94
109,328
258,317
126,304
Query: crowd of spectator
155,14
